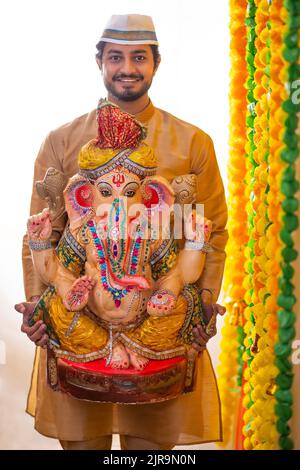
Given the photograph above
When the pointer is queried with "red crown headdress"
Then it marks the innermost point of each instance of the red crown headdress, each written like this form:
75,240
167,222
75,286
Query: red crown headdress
117,129
119,143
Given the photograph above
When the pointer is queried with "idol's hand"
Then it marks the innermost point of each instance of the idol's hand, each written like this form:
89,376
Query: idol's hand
37,332
161,303
39,226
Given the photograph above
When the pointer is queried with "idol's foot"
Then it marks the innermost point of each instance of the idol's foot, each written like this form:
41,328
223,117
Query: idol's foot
137,361
78,295
120,359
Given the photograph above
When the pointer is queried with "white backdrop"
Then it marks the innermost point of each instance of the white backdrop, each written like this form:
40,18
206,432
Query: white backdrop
48,77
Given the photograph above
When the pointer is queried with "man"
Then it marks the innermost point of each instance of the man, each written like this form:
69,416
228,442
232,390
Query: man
128,59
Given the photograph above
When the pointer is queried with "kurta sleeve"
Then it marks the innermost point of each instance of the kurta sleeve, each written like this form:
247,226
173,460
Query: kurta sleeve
48,156
210,192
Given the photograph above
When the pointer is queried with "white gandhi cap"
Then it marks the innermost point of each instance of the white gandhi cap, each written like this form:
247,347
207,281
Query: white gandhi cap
130,29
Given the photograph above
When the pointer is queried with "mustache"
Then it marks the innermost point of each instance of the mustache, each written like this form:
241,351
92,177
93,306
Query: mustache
120,76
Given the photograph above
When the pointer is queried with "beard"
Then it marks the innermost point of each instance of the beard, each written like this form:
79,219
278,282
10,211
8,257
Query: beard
127,94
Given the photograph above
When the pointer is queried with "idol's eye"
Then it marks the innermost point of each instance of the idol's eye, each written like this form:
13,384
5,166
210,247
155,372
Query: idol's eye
129,193
105,192
104,189
130,189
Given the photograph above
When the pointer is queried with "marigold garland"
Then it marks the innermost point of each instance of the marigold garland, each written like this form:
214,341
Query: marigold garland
268,203
230,368
260,428
251,267
289,222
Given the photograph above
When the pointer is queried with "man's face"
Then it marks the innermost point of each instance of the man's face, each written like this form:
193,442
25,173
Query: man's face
127,70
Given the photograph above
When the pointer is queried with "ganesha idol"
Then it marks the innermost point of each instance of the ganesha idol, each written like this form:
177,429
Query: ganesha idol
121,300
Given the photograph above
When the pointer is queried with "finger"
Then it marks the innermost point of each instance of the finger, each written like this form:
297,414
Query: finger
29,330
196,333
200,341
43,341
207,310
35,327
38,334
197,347
220,309
35,218
199,333
20,308
202,333
205,336
26,308
30,222
45,213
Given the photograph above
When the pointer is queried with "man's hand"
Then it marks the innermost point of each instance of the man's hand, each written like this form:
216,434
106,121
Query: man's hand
37,332
200,335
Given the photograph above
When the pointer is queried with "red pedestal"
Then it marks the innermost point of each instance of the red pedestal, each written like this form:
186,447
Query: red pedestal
94,381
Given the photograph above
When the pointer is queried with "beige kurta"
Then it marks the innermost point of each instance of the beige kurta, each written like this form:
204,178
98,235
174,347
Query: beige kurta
193,418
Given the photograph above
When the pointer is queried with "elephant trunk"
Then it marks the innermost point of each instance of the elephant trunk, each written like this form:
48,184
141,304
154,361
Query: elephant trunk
130,280
122,258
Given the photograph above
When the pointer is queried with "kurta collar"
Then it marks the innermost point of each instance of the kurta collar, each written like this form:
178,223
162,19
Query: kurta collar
146,114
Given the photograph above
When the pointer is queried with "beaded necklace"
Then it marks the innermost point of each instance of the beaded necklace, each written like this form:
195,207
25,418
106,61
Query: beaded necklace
116,293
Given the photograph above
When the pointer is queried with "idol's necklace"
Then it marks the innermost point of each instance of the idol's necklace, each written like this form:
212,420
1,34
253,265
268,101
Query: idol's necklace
116,293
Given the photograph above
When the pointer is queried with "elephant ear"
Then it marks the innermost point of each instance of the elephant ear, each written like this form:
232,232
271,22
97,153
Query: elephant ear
78,199
51,190
185,188
157,192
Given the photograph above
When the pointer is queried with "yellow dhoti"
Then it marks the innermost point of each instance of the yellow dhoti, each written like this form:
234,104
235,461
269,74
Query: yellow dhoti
82,339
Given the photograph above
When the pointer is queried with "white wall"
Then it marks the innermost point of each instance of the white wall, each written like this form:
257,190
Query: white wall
48,77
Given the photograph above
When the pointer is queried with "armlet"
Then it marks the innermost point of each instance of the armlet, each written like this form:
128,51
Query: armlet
70,253
164,258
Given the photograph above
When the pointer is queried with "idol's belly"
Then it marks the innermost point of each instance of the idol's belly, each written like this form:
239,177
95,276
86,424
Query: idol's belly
102,303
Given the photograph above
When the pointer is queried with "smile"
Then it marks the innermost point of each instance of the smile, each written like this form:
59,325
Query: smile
128,80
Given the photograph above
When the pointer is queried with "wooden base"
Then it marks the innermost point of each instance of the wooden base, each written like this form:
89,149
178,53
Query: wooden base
94,381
